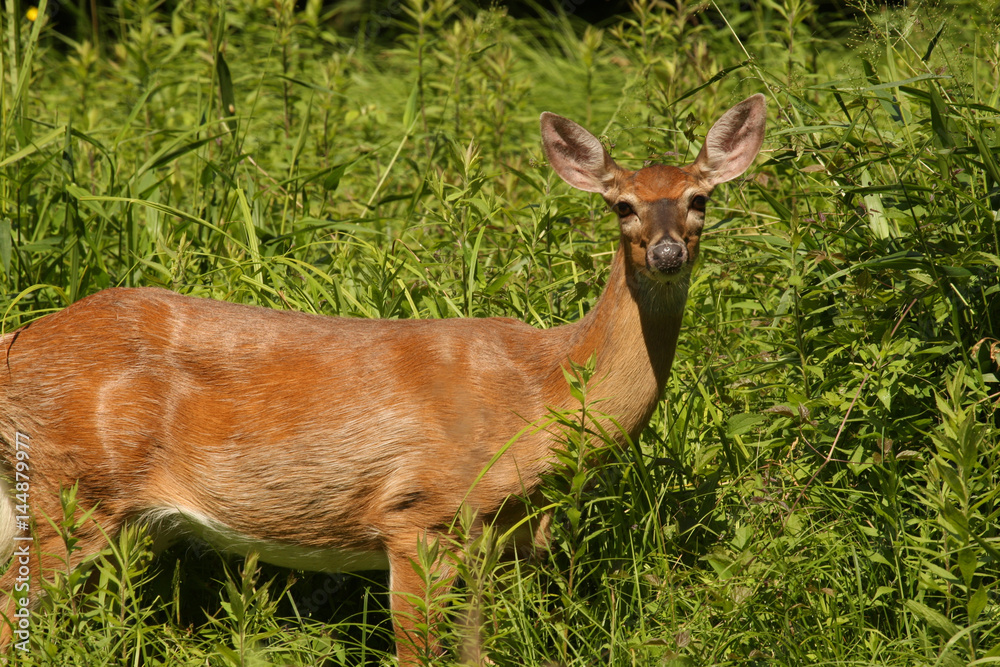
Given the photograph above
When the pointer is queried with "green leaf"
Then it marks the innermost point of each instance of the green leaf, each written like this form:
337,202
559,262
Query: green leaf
161,160
721,562
34,146
783,211
410,113
473,264
939,119
877,221
250,229
977,602
986,154
935,619
226,90
967,563
6,244
741,423
303,134
718,76
229,654
933,42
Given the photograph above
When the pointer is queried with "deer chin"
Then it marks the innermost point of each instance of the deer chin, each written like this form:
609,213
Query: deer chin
660,293
664,278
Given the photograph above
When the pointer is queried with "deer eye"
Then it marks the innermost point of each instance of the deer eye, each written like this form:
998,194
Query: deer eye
698,203
622,209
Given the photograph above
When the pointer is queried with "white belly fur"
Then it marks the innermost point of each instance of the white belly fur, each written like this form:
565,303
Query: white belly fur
169,523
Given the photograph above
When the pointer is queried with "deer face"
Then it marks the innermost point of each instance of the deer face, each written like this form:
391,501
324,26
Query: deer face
660,208
661,212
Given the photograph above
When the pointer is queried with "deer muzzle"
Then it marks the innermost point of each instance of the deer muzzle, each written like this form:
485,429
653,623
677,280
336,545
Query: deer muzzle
666,256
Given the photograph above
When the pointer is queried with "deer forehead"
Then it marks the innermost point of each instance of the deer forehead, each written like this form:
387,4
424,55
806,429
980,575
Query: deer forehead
657,182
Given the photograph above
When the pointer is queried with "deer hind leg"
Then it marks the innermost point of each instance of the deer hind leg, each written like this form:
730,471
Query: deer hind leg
44,556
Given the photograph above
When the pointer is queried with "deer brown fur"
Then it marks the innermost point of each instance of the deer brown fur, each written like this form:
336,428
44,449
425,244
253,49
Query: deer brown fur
334,443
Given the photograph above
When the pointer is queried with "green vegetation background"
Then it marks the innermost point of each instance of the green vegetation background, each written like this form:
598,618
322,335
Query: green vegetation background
822,482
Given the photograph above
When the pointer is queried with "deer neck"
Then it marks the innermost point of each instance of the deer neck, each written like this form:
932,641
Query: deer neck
632,334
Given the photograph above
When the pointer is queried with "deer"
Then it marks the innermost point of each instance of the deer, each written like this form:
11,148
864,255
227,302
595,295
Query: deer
336,443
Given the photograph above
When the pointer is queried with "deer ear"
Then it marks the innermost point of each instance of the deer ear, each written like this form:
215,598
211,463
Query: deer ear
733,142
577,155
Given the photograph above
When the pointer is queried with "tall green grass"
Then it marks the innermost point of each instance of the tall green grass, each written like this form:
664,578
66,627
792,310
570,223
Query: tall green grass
821,484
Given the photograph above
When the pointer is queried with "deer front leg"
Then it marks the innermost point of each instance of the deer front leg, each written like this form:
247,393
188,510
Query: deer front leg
420,574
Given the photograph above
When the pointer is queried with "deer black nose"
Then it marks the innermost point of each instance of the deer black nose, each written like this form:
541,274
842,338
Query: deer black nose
666,257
